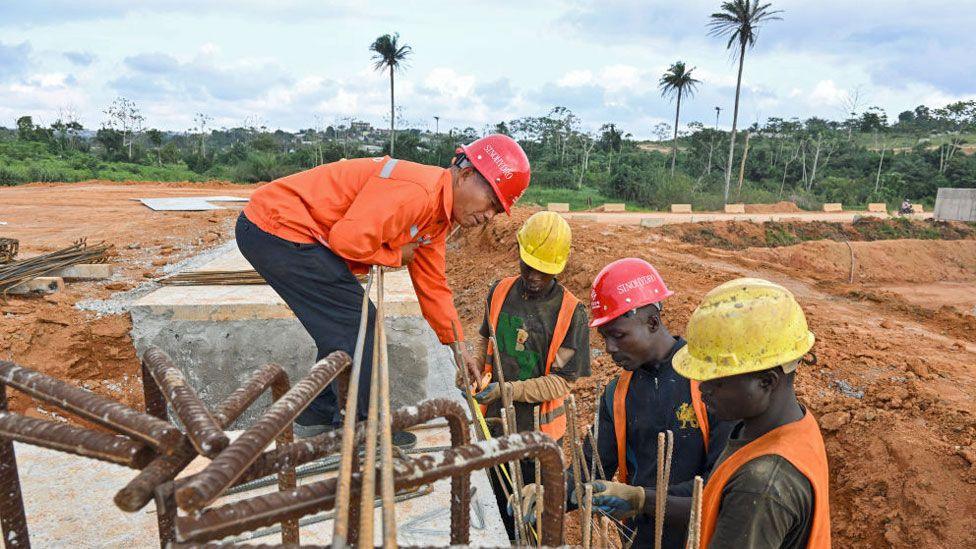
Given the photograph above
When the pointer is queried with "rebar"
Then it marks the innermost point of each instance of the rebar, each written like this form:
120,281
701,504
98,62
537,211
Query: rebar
386,433
574,463
202,429
75,440
694,522
341,526
17,272
665,448
8,249
587,519
232,462
250,514
367,489
95,408
596,464
13,519
139,491
211,278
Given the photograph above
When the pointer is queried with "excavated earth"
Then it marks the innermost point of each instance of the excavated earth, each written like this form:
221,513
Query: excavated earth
894,389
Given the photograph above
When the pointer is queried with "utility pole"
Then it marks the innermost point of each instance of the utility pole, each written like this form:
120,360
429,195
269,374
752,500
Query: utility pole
437,125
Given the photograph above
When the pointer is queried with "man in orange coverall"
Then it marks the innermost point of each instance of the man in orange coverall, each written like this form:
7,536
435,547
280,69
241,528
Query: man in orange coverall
309,233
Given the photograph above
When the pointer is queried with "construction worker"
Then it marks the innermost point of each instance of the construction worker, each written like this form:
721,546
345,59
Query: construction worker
647,398
769,486
543,340
308,234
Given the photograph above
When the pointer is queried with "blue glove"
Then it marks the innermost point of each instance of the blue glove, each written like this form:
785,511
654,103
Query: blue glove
620,501
489,395
530,500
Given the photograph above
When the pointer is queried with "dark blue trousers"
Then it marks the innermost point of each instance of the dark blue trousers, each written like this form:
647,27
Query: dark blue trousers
327,299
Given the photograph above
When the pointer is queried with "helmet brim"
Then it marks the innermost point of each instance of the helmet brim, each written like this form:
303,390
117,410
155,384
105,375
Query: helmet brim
697,369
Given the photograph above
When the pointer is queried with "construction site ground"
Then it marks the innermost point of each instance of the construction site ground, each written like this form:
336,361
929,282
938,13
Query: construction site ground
894,389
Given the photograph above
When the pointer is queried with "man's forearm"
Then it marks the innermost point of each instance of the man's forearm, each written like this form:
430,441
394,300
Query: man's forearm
676,512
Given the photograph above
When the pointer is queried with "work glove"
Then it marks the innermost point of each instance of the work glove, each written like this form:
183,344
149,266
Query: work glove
491,393
620,501
530,503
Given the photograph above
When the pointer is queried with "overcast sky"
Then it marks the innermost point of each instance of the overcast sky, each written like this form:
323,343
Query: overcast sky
295,64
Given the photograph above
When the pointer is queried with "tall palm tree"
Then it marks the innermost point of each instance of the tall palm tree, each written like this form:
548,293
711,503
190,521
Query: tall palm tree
677,81
388,53
740,21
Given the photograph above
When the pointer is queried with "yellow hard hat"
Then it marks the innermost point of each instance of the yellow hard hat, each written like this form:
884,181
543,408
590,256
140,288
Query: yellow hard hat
744,325
544,242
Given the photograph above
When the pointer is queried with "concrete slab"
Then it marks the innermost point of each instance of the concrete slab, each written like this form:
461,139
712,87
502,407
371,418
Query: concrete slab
833,207
179,204
86,271
735,208
218,334
681,208
651,222
558,207
39,285
74,508
878,207
614,207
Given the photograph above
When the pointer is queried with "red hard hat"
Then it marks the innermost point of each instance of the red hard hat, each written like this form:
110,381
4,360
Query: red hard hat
622,286
503,163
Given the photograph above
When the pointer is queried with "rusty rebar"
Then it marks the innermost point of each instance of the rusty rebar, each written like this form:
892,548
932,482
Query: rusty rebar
139,491
574,453
253,513
693,540
95,408
13,519
387,492
202,429
232,462
665,447
287,478
340,536
367,491
75,440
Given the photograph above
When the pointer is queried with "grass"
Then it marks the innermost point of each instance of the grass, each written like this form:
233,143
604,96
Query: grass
578,199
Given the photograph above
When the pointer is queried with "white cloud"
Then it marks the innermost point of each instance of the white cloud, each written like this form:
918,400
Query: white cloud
619,77
827,93
577,77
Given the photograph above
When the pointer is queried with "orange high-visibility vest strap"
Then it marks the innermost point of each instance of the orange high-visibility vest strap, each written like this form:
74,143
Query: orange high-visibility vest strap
620,419
620,422
552,412
800,443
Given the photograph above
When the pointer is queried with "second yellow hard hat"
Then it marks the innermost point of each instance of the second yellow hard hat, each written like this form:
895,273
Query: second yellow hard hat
544,241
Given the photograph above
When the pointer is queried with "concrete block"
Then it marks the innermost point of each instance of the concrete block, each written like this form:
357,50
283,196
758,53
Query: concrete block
955,205
681,208
558,206
39,285
614,207
833,207
86,271
918,208
735,208
878,207
651,222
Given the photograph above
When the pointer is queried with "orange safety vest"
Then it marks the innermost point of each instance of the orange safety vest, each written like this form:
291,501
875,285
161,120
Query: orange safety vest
552,413
620,419
802,445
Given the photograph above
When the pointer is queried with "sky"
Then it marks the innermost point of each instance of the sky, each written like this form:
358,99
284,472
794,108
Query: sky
295,64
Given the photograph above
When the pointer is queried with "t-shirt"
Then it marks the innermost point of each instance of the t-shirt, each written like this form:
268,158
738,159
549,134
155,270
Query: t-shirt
524,332
766,503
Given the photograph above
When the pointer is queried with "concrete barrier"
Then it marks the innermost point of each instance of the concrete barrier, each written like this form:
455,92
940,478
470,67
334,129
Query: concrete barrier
878,207
735,208
614,207
681,208
918,208
833,207
955,205
651,222
558,207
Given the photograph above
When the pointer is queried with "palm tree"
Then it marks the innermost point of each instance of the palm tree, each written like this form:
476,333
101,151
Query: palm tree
740,21
388,53
675,82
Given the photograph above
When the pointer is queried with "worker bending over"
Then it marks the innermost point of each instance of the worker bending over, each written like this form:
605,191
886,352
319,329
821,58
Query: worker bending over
309,233
769,487
543,340
647,398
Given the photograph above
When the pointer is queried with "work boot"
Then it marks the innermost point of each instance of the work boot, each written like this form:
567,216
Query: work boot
404,440
308,431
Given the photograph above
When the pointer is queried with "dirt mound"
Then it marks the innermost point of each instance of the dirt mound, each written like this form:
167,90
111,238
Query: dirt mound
900,261
737,235
212,184
779,207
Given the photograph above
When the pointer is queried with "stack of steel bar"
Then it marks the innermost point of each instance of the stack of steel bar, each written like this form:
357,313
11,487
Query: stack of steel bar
161,451
16,272
208,278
